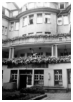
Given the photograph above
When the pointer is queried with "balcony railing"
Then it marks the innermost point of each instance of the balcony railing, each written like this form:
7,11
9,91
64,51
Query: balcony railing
35,39
36,61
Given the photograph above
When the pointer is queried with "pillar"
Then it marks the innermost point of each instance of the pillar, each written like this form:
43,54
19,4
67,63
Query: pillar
18,79
33,77
11,53
56,51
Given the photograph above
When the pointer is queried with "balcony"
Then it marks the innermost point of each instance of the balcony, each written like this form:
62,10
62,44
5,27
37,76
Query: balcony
36,61
37,39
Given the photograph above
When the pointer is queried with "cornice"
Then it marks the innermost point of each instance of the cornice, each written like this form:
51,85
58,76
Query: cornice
38,10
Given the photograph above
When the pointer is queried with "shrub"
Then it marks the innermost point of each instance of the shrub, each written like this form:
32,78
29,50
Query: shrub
35,90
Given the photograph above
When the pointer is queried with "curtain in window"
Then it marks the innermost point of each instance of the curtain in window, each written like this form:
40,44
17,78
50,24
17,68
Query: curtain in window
39,18
17,26
6,12
15,13
65,20
59,21
31,5
24,21
47,18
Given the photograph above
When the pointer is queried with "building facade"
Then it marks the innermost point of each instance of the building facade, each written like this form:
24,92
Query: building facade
36,45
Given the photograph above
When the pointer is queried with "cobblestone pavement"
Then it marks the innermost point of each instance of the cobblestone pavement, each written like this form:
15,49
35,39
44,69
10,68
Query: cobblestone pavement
58,96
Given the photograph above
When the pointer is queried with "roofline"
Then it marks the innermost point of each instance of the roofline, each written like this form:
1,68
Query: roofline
14,4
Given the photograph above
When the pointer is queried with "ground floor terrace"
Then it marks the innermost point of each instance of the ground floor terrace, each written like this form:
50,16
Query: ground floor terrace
55,50
58,75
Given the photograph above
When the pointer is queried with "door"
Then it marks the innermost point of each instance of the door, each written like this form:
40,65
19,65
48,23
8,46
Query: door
69,77
58,77
22,81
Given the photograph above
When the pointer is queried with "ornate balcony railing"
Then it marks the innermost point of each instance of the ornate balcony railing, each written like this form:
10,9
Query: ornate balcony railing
32,39
36,61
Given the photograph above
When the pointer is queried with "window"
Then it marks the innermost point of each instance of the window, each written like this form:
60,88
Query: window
38,77
17,26
12,26
47,32
39,4
62,6
58,77
31,5
15,13
6,12
30,33
5,30
39,18
59,21
47,18
13,76
46,4
31,19
65,20
38,33
24,21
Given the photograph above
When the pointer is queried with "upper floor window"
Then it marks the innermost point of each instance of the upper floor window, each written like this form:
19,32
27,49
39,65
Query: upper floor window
39,18
15,13
39,4
6,12
31,19
17,26
65,20
62,6
2,29
25,21
5,30
31,5
47,32
12,26
47,18
59,20
47,4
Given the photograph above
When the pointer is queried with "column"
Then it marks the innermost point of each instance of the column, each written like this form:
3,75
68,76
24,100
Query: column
33,77
18,79
56,51
10,53
52,50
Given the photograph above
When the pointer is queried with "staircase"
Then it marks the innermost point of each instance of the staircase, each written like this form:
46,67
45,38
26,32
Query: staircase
53,89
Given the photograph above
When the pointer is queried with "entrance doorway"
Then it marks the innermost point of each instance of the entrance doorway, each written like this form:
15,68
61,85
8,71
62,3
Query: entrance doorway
22,81
69,77
58,77
25,78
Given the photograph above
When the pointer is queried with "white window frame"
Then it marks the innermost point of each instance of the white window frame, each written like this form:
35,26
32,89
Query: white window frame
25,23
12,26
31,17
31,5
5,30
60,5
6,12
60,19
40,19
48,17
65,20
15,13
